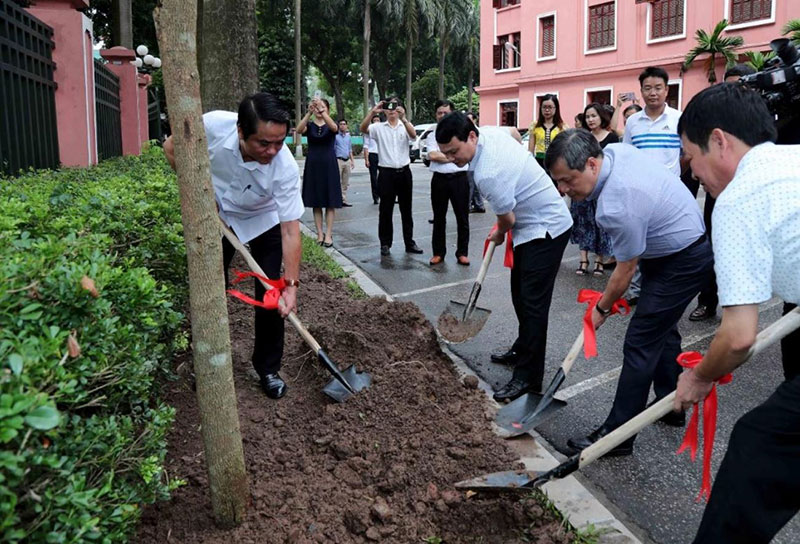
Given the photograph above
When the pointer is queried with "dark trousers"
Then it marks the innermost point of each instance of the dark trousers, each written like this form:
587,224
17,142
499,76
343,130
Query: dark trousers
394,183
652,342
453,188
475,197
267,251
708,296
790,348
373,175
536,265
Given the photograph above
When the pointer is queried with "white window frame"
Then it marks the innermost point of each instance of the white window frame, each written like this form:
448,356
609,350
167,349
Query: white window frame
496,42
594,90
757,22
586,50
506,101
539,18
680,36
678,82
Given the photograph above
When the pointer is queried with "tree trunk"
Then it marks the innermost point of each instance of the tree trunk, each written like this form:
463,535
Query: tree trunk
122,22
470,79
409,53
367,36
442,50
339,99
176,22
298,76
229,60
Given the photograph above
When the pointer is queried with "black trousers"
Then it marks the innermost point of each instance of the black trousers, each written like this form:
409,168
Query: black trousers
394,183
373,176
453,188
708,296
269,325
536,265
652,341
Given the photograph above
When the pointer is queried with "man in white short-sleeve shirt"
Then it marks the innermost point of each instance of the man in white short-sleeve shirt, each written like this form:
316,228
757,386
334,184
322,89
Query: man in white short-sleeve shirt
727,135
257,189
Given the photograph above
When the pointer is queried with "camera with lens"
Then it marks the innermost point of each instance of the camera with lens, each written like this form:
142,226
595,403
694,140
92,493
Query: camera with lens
390,105
779,86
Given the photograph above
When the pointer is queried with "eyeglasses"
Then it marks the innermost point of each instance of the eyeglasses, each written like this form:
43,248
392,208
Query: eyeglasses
548,107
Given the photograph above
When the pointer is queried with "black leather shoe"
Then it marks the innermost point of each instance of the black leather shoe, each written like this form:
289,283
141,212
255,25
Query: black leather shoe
702,312
578,444
674,419
632,301
508,358
273,385
385,250
513,389
414,248
346,205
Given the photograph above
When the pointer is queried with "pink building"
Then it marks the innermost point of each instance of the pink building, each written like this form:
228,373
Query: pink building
590,50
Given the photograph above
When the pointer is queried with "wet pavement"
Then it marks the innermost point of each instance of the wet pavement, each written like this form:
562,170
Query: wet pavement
653,489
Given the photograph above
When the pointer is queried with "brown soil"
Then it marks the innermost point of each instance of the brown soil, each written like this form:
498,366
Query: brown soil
376,468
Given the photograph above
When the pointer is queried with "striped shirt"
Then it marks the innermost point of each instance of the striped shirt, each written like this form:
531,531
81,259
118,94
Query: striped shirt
658,138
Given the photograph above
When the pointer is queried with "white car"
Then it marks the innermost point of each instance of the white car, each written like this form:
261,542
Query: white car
423,146
414,146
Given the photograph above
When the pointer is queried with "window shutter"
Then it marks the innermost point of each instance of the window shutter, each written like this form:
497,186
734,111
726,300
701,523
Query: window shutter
497,56
495,4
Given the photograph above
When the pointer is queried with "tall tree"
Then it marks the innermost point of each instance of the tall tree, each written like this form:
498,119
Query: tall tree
298,73
713,44
418,15
228,59
365,61
176,21
453,28
123,23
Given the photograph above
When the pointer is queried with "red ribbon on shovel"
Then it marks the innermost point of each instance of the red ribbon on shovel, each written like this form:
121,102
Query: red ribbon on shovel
508,259
589,336
690,359
271,296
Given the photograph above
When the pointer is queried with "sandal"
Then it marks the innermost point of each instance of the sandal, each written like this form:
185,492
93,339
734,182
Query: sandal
583,268
598,269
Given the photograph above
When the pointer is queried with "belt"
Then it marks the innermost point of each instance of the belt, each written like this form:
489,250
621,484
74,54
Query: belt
389,168
343,158
687,248
450,174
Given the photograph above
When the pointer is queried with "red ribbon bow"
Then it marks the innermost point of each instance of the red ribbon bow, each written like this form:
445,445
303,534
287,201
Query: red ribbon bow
508,259
690,359
271,296
589,335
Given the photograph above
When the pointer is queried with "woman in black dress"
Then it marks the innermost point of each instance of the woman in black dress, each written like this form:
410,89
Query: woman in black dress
585,231
321,182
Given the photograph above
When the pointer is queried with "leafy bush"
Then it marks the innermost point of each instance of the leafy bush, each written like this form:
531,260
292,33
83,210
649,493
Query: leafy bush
92,265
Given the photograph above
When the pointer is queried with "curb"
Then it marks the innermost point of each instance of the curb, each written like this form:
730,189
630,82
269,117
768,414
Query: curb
575,502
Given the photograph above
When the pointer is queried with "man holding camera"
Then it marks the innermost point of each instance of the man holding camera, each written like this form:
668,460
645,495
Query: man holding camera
394,173
728,134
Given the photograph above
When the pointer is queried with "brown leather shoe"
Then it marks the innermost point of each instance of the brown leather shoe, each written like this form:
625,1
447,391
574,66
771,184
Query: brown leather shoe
436,259
463,260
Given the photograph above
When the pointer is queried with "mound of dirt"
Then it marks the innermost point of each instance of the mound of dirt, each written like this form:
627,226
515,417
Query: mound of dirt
376,468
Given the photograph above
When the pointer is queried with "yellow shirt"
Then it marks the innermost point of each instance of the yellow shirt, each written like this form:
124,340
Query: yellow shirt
542,140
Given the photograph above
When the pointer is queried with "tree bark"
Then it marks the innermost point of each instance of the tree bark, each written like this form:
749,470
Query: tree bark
442,51
176,22
298,73
122,21
229,60
470,79
367,36
409,66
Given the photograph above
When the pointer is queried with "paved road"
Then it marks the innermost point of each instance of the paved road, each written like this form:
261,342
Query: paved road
654,488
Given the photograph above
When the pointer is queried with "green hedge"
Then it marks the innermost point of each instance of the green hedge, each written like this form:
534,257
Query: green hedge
82,429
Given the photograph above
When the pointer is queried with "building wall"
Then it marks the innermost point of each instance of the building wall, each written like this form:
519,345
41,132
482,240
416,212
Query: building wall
575,71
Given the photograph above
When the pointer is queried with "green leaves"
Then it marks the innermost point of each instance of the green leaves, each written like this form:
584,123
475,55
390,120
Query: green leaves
713,45
43,418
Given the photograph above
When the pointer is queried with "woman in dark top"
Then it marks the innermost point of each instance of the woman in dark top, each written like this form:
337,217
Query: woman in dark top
585,231
322,186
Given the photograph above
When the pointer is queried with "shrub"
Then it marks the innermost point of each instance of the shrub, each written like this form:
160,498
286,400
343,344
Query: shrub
93,274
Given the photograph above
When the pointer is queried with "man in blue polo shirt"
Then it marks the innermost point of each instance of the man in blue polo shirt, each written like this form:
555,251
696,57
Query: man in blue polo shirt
656,225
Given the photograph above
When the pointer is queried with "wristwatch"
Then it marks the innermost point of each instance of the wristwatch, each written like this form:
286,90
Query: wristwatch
601,311
291,283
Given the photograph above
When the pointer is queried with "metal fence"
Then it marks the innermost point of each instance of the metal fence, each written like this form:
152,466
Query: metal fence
153,116
28,131
109,125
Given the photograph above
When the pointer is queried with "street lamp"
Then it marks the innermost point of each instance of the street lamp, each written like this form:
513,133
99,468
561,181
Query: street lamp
511,47
145,61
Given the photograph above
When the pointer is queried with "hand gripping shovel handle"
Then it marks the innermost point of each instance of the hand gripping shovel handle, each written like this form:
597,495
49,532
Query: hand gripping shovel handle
472,301
292,317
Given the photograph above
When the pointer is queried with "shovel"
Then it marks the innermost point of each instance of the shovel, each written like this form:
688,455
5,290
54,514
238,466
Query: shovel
533,409
525,480
460,322
346,382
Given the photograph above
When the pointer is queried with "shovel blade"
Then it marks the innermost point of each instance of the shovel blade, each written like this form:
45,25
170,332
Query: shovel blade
358,380
454,328
520,416
512,480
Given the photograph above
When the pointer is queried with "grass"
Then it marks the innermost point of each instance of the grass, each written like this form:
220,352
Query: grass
316,256
587,535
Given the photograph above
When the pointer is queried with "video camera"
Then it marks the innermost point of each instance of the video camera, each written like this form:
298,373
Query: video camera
779,86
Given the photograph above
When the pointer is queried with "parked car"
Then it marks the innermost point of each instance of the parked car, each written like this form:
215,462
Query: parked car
423,146
413,147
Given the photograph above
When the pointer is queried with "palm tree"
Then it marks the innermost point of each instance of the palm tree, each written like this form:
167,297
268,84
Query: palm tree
757,60
298,76
714,45
453,27
792,26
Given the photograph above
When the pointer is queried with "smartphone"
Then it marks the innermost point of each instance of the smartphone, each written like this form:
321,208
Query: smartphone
630,96
391,106
317,94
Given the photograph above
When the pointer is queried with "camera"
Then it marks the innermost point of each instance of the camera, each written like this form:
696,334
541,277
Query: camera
390,106
779,86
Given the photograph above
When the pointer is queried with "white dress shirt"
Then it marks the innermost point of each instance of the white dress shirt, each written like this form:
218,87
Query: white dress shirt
252,197
756,230
392,144
370,143
441,167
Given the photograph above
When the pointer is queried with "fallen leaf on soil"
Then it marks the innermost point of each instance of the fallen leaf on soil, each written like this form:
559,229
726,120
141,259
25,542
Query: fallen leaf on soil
73,348
88,284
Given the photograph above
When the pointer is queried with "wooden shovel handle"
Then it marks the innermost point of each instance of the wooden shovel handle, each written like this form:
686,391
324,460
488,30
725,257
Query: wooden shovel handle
485,263
251,262
772,334
573,353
